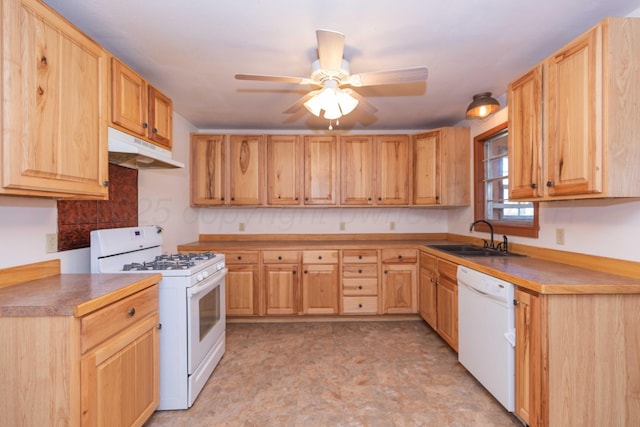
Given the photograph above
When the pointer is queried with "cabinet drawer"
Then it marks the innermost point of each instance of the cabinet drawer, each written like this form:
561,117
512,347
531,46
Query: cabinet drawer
108,321
280,257
364,270
448,269
360,305
320,257
393,256
359,256
428,261
241,257
366,286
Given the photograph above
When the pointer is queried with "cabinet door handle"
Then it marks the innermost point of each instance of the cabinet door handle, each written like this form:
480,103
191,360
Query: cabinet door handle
154,130
549,184
293,272
305,272
105,183
233,198
145,125
159,326
296,199
534,185
131,312
385,272
516,302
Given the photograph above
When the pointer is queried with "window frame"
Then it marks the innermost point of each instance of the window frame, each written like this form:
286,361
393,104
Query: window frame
510,228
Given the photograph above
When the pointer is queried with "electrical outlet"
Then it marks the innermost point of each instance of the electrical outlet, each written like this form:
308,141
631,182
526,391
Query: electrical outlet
560,236
343,226
392,225
241,226
51,243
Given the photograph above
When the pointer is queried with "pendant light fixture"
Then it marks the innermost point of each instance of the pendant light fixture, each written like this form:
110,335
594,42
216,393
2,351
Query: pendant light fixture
482,106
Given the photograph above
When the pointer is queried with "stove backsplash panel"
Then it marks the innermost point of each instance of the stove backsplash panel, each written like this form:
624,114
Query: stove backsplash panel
77,218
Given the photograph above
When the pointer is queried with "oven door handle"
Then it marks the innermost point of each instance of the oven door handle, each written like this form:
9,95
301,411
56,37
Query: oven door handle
208,285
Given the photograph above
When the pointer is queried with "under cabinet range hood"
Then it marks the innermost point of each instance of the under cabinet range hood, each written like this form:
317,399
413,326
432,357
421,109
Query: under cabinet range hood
134,153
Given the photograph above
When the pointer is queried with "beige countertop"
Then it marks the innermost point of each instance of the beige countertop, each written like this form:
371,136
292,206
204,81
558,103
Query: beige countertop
71,294
539,275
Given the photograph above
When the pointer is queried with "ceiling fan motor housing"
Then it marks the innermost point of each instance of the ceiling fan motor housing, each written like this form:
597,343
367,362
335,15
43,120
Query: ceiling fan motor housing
320,74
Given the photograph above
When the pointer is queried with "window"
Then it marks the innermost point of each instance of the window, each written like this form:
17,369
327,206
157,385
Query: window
491,164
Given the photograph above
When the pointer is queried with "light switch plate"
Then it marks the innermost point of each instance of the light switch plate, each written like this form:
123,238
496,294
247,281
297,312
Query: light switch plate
560,236
51,243
241,226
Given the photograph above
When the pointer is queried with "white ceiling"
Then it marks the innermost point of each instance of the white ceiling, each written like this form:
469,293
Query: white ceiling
191,50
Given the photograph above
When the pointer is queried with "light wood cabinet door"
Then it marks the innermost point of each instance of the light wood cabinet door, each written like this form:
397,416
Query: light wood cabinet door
428,292
284,170
241,290
281,289
208,170
160,118
357,170
447,302
426,169
399,288
120,379
50,67
527,358
393,169
573,111
525,135
320,170
320,288
128,98
246,170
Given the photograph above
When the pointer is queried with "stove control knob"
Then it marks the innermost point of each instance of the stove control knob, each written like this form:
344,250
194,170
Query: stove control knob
205,274
199,277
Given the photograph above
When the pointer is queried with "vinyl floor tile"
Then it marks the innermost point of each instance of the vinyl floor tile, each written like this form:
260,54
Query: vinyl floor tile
358,374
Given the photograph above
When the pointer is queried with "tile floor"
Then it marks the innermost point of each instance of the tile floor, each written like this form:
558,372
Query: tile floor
339,374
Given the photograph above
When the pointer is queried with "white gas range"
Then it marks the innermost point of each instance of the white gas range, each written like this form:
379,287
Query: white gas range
192,305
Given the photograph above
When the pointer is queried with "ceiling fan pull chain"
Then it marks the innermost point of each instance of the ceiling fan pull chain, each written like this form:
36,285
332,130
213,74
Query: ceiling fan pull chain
330,127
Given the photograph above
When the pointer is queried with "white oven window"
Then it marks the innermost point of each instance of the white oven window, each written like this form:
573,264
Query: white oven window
209,308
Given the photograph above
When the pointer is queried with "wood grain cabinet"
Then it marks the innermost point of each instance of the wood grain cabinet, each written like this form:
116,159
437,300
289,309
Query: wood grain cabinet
572,127
360,281
49,66
441,167
242,284
284,170
100,369
375,170
320,170
138,107
576,359
399,281
227,170
428,289
281,281
320,285
447,302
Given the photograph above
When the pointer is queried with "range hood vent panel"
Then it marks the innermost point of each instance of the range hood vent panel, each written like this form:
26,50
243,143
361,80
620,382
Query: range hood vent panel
131,152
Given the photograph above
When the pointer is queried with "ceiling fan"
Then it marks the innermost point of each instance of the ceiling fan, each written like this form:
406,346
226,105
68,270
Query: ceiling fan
331,72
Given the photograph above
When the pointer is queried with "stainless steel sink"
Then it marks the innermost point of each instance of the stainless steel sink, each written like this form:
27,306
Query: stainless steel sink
471,250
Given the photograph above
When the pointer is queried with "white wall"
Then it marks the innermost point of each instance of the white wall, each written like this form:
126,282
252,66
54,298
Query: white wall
163,199
608,228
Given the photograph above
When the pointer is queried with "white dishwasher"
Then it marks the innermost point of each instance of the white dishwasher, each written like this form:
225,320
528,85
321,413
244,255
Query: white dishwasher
486,332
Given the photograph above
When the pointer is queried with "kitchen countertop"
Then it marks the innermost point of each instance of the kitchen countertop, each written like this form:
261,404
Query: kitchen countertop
535,274
71,294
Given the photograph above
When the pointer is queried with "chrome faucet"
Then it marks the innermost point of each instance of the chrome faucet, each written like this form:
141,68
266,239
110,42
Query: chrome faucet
486,244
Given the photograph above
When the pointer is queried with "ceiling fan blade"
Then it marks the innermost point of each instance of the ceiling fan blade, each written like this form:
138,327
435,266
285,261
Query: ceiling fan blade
363,104
404,75
300,102
330,49
267,78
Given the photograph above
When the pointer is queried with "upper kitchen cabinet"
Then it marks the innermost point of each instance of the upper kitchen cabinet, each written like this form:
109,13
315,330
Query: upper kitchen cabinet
573,120
441,165
320,170
284,170
138,107
227,170
375,170
54,106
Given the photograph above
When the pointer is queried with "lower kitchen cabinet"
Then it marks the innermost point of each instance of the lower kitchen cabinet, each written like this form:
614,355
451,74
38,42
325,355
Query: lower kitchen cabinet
428,289
360,281
281,288
101,369
242,284
527,352
320,282
447,302
399,281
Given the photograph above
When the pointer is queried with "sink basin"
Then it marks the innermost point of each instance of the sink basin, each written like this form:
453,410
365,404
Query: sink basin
471,250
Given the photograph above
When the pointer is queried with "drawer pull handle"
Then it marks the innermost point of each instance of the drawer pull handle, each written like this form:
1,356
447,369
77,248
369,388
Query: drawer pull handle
131,312
359,271
359,305
319,256
359,286
359,256
399,256
293,272
279,257
239,257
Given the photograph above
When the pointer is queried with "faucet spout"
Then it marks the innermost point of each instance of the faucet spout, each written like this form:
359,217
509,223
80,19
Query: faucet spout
473,224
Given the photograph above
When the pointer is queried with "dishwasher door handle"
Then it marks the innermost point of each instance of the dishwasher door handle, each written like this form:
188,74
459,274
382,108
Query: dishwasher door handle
471,288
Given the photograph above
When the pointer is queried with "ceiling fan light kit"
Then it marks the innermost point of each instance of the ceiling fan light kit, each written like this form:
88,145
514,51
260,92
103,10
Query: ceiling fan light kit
482,106
332,71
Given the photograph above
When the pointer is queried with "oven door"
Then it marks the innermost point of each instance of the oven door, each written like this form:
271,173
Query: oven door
205,317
